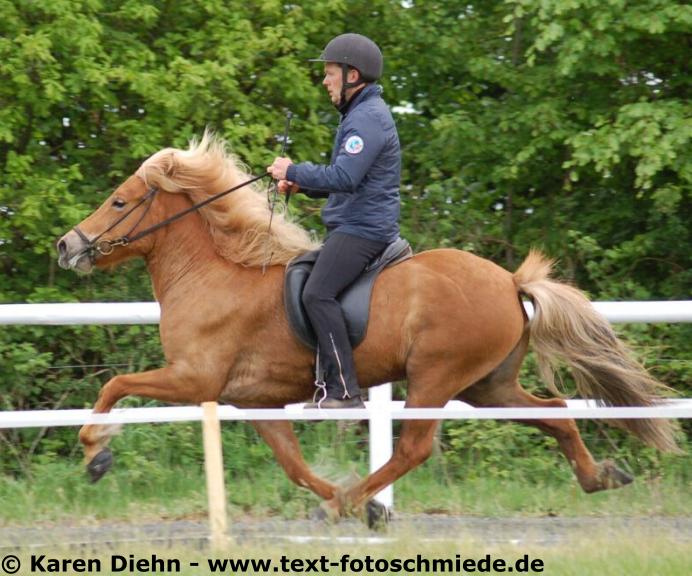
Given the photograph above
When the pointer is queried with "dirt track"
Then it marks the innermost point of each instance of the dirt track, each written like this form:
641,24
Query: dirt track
545,531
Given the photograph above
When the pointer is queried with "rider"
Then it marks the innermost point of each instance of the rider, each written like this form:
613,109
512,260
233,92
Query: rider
362,212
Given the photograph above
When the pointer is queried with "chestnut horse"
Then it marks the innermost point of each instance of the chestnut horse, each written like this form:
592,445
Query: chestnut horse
450,323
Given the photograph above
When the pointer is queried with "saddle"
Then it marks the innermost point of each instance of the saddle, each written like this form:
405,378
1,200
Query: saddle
354,300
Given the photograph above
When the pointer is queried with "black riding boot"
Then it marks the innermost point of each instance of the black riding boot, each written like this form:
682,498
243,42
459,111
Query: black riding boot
337,383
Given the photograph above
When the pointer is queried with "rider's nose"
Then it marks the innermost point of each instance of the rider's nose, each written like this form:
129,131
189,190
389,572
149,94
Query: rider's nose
62,247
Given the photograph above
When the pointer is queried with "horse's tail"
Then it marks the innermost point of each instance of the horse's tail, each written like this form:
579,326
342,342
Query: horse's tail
565,326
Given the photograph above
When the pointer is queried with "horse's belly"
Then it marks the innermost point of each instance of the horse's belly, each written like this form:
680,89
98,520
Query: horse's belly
268,382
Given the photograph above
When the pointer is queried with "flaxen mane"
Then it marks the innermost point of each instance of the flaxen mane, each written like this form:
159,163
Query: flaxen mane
238,222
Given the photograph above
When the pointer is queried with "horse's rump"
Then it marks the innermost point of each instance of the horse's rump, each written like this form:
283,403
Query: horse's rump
443,305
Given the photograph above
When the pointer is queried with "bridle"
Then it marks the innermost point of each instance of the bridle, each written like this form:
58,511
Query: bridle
106,247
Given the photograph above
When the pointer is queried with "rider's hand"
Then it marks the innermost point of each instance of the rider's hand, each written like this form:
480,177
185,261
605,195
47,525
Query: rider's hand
279,167
286,186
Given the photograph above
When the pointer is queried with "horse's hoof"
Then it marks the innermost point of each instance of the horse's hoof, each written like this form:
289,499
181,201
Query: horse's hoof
615,477
100,464
325,514
377,515
609,478
319,515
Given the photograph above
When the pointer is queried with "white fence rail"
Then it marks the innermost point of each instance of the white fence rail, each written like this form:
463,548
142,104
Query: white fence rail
148,312
380,410
576,409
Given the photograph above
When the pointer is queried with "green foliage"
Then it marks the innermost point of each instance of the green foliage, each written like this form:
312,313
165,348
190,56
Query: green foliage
552,123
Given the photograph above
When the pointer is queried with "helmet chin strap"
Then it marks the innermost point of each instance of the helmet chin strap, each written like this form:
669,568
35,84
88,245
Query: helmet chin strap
345,85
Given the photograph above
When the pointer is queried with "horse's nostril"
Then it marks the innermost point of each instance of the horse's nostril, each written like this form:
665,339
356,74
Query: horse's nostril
62,247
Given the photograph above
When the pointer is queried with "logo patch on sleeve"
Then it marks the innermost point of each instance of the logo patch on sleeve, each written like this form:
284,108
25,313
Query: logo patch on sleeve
354,145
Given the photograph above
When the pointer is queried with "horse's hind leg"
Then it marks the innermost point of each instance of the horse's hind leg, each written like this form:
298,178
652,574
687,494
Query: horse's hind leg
436,373
283,442
501,389
592,476
413,448
414,445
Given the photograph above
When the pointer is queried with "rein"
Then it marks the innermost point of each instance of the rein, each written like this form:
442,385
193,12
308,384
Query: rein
105,247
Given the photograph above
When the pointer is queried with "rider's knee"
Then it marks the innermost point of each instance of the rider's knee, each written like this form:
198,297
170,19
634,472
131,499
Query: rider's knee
311,297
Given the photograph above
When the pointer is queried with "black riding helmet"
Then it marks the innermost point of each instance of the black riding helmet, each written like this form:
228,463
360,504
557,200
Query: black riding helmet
356,51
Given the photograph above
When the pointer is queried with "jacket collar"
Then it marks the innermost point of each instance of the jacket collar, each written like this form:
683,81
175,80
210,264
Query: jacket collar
369,91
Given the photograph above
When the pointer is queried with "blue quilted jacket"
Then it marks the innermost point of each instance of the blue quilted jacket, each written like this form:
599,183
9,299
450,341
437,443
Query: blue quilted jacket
362,179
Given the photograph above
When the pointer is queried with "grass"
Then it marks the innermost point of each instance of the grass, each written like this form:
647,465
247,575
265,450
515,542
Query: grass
61,490
148,485
421,491
158,473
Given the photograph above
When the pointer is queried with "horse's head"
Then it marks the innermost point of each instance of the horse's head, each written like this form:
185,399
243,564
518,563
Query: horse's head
102,238
170,182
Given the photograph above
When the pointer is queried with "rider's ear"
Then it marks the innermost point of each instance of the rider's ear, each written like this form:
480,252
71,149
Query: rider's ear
353,75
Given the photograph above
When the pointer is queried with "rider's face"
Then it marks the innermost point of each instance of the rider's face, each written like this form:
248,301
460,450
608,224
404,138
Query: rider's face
333,81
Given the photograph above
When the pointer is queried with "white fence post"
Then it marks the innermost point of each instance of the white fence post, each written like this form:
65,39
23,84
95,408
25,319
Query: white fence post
380,398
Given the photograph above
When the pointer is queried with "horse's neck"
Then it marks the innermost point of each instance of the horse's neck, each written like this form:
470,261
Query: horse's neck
184,256
188,275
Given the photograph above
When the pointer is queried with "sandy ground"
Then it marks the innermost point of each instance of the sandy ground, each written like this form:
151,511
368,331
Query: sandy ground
520,531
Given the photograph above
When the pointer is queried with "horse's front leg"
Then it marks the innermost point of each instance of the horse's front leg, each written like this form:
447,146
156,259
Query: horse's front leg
283,442
166,384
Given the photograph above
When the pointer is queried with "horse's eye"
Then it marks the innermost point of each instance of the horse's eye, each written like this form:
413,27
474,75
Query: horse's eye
119,204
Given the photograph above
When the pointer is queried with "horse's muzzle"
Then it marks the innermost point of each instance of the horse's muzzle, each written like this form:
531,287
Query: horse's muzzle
62,248
72,253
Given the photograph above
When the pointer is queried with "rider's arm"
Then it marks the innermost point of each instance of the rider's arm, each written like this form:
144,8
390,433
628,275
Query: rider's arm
358,148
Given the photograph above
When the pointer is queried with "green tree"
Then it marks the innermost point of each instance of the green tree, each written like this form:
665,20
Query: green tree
563,124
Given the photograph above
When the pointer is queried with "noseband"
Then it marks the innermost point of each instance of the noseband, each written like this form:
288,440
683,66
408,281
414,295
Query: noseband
106,247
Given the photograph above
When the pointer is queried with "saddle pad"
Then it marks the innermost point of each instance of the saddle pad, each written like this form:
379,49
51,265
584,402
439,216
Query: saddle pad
355,300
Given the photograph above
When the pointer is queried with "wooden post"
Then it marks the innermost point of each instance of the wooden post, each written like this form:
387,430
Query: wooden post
213,465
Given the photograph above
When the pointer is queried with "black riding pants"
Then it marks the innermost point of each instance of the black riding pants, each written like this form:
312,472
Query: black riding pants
342,259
